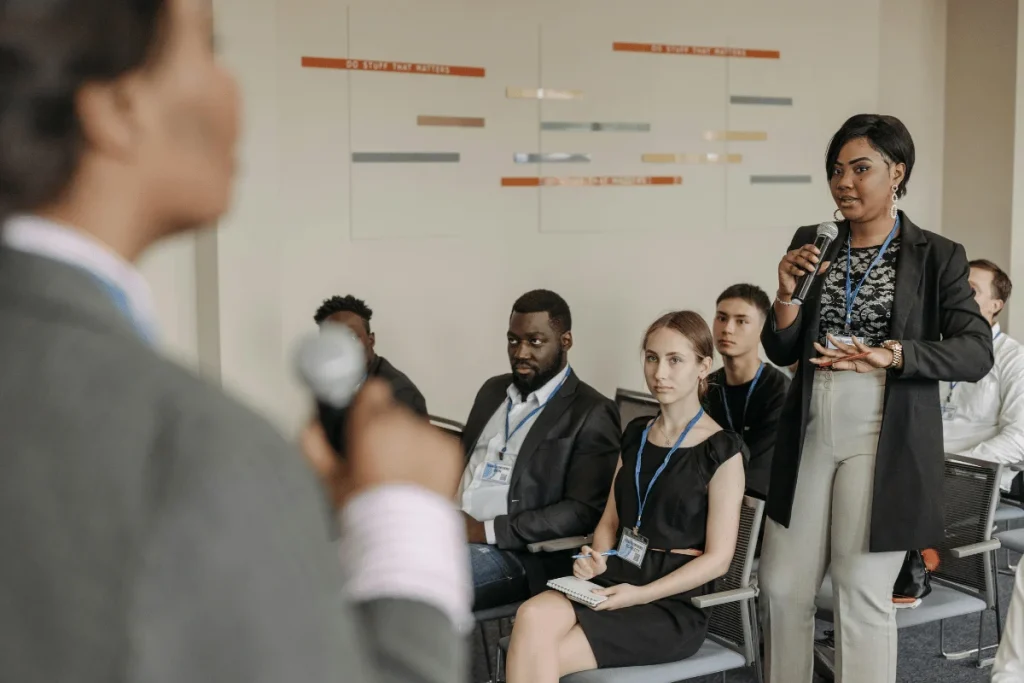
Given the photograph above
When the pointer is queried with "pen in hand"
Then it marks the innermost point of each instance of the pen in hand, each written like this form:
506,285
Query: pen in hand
607,553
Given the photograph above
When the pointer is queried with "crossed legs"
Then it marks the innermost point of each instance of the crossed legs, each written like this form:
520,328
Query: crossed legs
547,643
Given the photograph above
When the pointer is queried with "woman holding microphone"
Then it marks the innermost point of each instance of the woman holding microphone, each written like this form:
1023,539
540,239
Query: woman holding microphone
857,472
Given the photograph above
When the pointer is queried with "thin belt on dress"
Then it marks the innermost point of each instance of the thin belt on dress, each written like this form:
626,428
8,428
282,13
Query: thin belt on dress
692,552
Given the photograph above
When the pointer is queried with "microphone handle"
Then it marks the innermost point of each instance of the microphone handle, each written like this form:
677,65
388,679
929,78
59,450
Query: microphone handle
332,419
803,287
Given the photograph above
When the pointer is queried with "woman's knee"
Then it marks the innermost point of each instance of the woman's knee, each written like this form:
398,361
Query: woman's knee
547,613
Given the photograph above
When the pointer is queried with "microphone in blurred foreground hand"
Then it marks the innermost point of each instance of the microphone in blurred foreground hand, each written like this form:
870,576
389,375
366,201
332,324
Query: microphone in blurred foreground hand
826,233
332,363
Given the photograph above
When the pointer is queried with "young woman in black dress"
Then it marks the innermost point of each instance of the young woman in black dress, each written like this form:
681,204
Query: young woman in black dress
685,475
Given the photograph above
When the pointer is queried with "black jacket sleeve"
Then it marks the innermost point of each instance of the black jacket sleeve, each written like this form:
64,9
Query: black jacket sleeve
783,346
587,482
964,353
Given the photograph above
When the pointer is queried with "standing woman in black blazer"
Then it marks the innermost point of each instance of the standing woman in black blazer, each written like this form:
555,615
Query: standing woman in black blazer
857,471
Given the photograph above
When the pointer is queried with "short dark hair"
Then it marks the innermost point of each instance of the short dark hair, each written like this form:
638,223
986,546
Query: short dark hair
48,52
546,301
344,304
752,294
886,134
1001,284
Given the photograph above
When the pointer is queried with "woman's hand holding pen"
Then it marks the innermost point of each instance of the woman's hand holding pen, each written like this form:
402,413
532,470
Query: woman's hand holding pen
592,564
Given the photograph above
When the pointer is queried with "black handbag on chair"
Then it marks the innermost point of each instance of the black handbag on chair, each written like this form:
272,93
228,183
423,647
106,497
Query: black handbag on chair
914,580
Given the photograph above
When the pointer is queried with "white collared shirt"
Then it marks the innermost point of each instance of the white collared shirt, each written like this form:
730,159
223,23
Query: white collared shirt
42,237
483,500
988,418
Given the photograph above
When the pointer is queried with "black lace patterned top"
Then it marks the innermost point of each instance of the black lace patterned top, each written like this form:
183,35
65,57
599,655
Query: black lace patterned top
872,309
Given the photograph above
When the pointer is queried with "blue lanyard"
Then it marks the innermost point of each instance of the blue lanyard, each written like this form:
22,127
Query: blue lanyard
952,385
852,296
750,392
508,411
641,502
120,299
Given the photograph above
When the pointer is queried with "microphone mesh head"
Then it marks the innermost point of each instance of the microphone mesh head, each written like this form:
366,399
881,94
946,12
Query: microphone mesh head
828,229
332,363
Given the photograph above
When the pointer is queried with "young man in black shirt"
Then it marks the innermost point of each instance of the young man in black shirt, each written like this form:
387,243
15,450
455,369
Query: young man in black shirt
355,314
746,395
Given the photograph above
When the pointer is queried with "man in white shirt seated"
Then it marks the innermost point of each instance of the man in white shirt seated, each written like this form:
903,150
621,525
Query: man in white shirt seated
985,420
541,449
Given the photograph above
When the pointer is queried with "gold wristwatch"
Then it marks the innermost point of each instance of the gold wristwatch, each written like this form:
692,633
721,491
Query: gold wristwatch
897,353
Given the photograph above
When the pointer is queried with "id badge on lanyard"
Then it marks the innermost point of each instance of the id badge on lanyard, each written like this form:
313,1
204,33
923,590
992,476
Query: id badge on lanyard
496,472
632,547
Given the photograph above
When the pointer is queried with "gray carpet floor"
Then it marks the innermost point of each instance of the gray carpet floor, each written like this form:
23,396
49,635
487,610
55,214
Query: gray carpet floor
919,659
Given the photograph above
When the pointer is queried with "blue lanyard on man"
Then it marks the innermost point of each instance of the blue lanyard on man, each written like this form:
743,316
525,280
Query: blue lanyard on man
508,411
642,502
952,385
120,299
852,296
746,403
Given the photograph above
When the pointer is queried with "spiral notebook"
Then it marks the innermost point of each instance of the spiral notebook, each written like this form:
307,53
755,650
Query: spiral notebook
578,590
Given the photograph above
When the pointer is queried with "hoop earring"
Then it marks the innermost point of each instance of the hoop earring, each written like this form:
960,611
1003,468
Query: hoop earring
894,210
837,216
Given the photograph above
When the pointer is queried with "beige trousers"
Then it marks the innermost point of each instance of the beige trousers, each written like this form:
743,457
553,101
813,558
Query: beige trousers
830,525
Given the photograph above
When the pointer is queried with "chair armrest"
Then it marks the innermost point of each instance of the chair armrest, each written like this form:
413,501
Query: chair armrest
988,546
724,597
558,544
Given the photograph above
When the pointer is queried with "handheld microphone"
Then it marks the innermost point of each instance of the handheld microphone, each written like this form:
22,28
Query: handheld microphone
826,233
332,363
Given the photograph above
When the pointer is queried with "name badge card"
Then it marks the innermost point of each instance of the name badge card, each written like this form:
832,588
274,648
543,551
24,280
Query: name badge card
496,472
632,547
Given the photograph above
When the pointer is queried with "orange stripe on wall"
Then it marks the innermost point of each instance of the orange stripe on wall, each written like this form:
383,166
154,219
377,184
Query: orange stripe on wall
392,67
696,50
591,181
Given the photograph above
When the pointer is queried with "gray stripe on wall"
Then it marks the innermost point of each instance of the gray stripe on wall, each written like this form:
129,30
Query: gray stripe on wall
777,179
404,157
551,158
595,126
757,99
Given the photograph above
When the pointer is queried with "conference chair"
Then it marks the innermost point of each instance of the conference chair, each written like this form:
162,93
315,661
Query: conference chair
965,581
1009,514
732,641
634,404
448,426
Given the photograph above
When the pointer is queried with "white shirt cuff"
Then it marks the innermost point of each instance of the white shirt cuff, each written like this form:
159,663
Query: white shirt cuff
492,539
402,541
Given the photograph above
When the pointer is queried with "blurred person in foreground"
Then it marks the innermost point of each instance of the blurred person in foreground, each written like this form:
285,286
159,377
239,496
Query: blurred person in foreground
153,529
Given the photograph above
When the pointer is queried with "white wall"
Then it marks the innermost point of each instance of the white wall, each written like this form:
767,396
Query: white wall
441,251
980,111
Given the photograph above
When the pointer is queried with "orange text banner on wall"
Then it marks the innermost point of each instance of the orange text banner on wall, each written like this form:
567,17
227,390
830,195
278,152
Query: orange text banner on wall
392,67
697,50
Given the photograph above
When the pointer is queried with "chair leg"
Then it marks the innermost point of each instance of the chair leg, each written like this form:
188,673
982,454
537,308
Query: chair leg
755,629
973,652
487,660
499,666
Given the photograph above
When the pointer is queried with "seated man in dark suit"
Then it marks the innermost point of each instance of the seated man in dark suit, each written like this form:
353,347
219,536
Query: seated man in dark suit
746,394
355,314
541,448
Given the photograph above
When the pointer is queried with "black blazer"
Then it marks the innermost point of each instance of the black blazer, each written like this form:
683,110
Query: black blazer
564,470
944,337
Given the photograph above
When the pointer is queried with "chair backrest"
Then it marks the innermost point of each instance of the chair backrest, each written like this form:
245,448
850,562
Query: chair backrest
730,624
448,426
970,489
634,404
